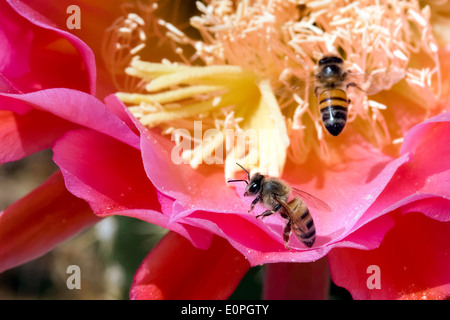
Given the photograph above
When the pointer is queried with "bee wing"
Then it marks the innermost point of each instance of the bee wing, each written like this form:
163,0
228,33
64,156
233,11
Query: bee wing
291,215
381,80
293,84
311,200
376,81
357,80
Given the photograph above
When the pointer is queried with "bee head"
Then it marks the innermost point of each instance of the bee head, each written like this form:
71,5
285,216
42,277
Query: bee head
330,59
254,186
331,69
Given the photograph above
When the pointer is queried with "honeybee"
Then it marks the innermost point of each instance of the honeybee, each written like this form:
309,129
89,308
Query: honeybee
332,82
274,194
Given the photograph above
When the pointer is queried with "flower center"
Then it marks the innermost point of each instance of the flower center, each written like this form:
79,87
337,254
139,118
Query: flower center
253,68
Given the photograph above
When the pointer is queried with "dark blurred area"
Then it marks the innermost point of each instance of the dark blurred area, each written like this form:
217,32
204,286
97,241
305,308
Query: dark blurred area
20,177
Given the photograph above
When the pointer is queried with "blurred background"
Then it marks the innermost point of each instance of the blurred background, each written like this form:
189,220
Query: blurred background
108,254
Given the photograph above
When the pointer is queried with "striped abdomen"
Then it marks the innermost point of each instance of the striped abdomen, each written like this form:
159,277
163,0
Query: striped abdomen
299,214
309,236
333,105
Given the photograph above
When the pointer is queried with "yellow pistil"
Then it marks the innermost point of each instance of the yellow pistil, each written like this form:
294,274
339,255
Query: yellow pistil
255,65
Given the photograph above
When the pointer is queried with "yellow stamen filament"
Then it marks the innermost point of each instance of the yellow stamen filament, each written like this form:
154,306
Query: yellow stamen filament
164,97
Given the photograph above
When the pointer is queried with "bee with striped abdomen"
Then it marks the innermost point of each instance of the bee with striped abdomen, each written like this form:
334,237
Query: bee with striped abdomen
274,194
332,82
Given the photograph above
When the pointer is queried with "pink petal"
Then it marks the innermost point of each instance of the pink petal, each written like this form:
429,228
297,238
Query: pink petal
413,262
175,270
24,135
202,199
106,173
297,281
53,16
420,185
36,223
109,175
118,108
427,173
60,110
35,52
6,85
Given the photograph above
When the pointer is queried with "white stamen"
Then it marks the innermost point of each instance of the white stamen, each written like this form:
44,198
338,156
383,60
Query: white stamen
399,54
377,105
137,18
138,48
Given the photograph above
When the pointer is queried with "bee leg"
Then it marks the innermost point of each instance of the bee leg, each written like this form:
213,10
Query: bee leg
265,214
316,91
254,202
269,212
352,84
287,234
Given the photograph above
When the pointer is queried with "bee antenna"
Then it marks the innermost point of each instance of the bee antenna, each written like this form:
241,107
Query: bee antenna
237,180
248,174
